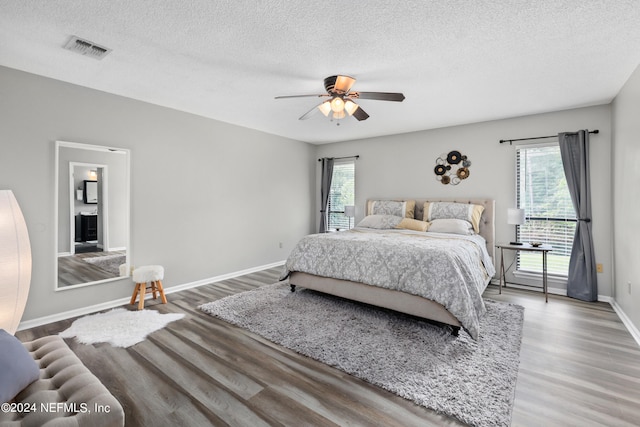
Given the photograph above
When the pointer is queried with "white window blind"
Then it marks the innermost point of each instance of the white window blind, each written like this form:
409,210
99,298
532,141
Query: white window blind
550,218
342,194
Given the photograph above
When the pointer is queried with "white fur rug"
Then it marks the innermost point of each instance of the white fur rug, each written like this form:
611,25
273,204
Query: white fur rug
473,381
118,327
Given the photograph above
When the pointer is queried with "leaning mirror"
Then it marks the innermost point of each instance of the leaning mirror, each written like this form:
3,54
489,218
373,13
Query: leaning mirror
92,209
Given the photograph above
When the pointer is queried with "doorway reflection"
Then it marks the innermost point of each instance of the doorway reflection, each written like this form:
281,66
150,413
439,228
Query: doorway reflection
93,214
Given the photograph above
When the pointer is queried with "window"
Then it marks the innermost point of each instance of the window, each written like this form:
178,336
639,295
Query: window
550,218
342,194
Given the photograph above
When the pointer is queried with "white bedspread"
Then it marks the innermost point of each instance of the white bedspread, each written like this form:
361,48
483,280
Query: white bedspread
447,268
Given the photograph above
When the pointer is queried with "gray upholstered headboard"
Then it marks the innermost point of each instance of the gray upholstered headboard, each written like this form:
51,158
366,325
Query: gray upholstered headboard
487,221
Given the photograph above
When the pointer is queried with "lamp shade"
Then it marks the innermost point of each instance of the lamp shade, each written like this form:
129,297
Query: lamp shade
325,107
339,115
337,104
515,216
350,211
350,107
15,262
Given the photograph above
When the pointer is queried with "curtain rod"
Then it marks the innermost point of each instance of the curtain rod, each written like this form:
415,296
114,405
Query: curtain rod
338,158
510,141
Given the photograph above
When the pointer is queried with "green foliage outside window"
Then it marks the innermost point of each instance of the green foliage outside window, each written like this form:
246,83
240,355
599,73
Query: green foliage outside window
550,218
342,194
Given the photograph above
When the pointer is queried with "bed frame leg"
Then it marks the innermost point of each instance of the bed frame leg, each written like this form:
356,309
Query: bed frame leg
293,288
455,331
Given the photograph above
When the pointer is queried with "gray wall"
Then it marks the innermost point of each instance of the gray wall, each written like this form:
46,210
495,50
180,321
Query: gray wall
200,208
208,198
402,166
626,195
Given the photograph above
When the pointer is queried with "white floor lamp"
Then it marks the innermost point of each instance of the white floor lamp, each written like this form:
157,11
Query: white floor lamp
15,262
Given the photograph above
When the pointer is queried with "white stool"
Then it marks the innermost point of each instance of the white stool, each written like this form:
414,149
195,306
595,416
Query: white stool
141,276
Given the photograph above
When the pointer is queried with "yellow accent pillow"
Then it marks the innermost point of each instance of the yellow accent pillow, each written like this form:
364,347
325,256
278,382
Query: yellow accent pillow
413,224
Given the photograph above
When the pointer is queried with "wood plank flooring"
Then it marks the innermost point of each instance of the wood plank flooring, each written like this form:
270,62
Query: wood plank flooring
579,367
72,270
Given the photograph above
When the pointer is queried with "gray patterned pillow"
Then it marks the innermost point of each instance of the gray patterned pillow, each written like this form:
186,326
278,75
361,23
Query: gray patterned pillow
450,210
381,222
403,209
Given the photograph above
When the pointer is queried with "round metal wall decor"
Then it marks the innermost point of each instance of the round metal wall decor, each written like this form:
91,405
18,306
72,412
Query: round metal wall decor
452,167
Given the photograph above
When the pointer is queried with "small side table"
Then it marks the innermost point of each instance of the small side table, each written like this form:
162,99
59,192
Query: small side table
544,249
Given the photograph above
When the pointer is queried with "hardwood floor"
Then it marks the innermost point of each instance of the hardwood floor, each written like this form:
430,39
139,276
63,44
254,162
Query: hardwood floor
72,270
579,367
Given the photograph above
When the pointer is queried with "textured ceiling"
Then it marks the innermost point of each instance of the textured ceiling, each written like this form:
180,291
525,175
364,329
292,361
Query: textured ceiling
456,61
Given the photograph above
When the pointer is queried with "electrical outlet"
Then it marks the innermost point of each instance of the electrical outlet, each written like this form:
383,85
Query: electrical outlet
629,287
280,245
599,268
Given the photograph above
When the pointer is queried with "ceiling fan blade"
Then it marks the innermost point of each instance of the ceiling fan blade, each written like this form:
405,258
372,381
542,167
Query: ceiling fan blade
338,84
360,114
301,96
310,113
380,96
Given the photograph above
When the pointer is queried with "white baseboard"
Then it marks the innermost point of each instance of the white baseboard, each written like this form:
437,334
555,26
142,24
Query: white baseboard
122,301
635,333
197,283
28,324
550,290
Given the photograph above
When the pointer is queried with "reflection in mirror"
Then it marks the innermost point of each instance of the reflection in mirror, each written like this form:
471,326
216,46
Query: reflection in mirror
90,196
92,208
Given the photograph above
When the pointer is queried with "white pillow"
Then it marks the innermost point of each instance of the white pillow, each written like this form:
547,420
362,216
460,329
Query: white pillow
381,222
450,225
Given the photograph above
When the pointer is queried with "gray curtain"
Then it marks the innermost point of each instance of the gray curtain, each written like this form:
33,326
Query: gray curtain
325,187
574,149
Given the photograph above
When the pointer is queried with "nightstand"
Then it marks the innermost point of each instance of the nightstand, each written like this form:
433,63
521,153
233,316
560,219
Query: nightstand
543,249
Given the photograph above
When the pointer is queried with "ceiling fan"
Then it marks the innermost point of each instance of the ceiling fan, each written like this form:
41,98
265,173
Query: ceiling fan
340,100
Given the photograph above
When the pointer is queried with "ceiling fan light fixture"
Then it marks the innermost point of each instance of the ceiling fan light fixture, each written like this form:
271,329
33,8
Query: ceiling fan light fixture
339,115
350,107
325,107
337,104
343,84
339,100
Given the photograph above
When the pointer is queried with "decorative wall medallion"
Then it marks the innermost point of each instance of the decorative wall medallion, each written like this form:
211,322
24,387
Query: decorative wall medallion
451,168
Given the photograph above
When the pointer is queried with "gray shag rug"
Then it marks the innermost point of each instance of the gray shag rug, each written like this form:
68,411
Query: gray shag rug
109,263
473,381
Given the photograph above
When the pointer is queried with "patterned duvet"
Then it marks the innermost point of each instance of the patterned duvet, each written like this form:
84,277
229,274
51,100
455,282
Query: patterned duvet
447,268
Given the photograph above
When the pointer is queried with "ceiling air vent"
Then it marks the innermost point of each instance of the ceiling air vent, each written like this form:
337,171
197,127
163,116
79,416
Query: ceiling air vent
86,48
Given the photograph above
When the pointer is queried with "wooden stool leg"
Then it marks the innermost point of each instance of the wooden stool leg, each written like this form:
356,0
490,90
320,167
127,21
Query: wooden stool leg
135,294
143,288
161,290
154,290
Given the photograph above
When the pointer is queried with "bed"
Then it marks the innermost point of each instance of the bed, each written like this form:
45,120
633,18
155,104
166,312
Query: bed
435,275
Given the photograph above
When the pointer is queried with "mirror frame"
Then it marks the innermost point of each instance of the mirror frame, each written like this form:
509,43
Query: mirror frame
56,192
94,191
